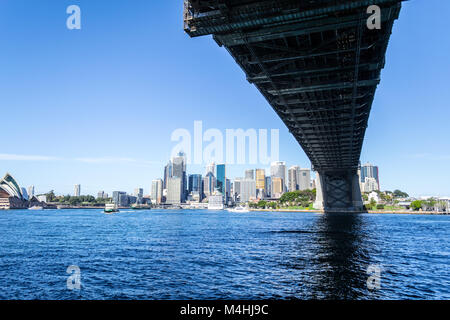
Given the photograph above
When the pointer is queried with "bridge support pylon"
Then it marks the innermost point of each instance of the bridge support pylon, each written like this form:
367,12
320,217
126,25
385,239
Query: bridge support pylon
338,191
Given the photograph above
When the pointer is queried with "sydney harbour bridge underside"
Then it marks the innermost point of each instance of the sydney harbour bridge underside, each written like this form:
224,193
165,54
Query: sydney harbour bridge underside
318,64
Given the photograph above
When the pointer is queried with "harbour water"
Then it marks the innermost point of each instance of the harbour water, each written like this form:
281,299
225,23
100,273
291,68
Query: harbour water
188,254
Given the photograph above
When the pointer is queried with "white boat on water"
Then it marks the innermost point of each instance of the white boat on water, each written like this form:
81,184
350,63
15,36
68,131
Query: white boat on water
111,208
239,209
36,208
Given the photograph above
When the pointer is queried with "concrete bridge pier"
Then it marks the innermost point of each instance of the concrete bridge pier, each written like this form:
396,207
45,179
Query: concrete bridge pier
338,191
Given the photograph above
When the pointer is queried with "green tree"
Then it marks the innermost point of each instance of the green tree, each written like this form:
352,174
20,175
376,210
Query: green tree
416,205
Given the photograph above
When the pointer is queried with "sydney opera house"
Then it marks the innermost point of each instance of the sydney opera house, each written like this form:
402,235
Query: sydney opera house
12,196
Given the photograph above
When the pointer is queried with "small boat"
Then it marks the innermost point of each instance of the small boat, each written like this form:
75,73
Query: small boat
111,208
36,208
239,209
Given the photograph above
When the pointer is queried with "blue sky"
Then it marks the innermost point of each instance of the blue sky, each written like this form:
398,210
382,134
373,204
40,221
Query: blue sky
97,106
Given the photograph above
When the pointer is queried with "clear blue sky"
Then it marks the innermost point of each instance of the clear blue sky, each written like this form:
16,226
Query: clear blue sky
97,106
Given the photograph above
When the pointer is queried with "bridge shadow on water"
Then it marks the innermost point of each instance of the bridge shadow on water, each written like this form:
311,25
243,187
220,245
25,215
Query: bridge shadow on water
338,256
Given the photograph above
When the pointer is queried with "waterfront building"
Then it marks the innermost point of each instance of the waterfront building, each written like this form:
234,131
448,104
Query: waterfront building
250,174
119,197
77,190
195,183
369,171
277,187
101,195
221,178
156,193
215,201
31,191
175,190
228,188
304,179
278,170
11,196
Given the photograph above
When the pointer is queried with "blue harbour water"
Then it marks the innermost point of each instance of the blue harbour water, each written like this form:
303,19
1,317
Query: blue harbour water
188,254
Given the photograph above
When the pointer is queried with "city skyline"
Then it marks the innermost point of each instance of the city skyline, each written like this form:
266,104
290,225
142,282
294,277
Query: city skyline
74,88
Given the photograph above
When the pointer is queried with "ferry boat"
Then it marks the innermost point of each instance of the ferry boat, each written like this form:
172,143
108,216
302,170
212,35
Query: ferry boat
111,208
140,207
239,209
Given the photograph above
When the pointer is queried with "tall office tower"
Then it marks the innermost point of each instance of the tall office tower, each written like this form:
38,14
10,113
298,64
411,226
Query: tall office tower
370,171
167,174
268,186
211,168
304,179
293,174
278,170
157,191
100,194
77,190
209,183
194,183
174,190
250,174
260,183
277,187
31,192
117,196
221,178
247,189
179,170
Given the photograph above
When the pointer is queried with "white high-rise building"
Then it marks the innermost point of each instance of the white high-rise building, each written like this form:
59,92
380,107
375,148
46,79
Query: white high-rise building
174,190
247,189
293,174
211,168
369,185
77,190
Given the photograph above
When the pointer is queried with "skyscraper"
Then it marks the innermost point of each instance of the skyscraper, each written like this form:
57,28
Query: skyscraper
167,174
370,171
278,170
293,174
260,183
77,190
209,183
304,179
246,189
221,178
277,187
156,191
211,168
179,170
174,190
268,186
